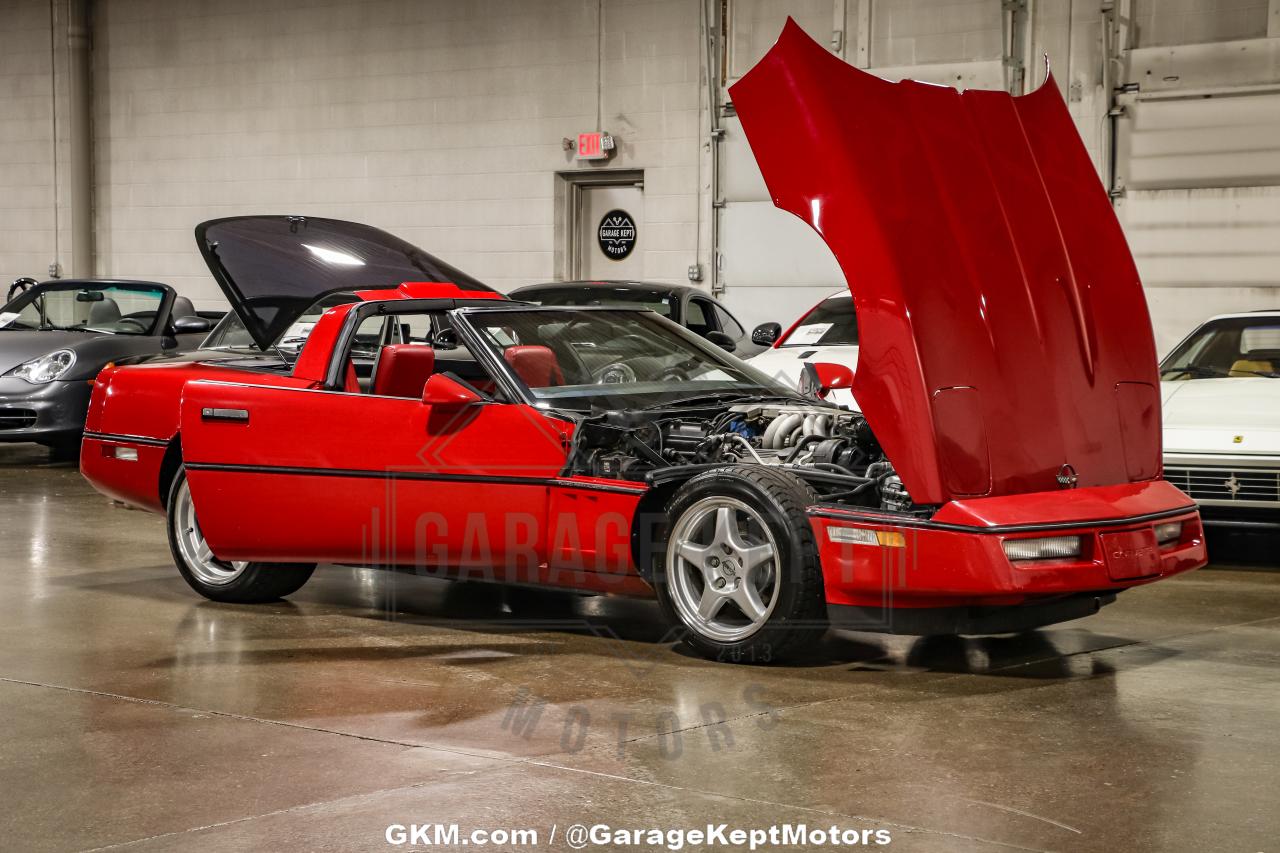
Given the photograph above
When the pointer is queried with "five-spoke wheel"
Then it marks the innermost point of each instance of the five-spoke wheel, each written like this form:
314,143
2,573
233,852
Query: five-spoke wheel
740,568
721,568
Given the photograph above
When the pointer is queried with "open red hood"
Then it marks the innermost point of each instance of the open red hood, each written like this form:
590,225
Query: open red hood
1005,340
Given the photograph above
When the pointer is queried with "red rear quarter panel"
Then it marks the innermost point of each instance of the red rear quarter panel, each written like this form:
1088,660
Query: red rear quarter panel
138,407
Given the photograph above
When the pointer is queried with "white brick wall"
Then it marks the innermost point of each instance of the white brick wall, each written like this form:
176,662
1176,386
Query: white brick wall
26,141
921,32
440,121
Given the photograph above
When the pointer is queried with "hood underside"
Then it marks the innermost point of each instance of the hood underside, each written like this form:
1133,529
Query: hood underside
272,268
1003,330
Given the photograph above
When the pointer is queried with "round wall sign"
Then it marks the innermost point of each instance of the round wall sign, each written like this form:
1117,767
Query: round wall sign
616,234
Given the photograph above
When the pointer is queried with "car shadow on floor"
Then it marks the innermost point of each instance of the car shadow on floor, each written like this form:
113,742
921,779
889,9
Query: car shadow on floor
631,630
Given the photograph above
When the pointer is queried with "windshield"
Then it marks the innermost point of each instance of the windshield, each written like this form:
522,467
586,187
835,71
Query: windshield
115,309
1233,347
604,295
831,321
231,334
611,359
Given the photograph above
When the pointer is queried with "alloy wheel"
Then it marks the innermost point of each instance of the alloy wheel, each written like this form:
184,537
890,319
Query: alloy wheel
722,569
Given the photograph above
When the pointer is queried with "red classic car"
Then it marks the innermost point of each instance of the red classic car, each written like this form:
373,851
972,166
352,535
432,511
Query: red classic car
1004,472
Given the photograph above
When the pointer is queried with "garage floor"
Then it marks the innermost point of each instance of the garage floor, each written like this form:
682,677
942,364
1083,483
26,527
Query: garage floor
137,715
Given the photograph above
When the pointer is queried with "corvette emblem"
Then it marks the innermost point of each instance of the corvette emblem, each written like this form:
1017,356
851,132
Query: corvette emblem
1233,485
1067,477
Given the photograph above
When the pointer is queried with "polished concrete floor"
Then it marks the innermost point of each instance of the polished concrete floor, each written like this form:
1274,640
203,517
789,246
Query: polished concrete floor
136,715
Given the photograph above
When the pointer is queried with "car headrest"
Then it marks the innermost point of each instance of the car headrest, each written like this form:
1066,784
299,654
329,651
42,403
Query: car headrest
1250,366
536,366
182,307
106,311
403,370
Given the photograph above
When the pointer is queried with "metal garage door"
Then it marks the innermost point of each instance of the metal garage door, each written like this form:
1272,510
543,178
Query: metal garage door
1199,182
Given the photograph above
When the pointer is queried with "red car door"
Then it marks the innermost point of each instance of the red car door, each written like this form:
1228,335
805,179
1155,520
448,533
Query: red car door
281,474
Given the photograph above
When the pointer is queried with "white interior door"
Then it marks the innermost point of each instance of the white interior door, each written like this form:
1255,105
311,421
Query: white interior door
610,233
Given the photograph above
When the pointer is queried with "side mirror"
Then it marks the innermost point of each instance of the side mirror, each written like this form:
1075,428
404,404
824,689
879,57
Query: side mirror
766,334
819,378
722,340
447,393
168,342
192,325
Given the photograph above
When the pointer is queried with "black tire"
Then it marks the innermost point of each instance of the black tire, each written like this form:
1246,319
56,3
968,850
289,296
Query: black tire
218,580
759,498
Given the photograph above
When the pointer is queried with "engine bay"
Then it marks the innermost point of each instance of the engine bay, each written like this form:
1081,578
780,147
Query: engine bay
832,449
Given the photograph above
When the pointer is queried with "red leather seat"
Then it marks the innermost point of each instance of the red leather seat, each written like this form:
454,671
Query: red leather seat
403,370
536,366
350,381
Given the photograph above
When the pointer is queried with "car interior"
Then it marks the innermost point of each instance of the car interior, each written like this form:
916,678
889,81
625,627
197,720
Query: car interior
394,356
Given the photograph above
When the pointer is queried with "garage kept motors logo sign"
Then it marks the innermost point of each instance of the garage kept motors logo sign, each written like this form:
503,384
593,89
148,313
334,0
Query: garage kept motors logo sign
616,234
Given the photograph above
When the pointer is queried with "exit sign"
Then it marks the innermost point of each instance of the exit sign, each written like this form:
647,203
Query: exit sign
596,145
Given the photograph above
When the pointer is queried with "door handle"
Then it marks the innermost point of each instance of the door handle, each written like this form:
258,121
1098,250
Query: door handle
235,416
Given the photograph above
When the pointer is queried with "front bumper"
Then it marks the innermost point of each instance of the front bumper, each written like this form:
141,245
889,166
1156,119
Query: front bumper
957,559
45,413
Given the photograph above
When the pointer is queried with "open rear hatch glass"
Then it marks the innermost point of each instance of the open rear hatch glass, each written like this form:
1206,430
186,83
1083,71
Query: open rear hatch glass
271,268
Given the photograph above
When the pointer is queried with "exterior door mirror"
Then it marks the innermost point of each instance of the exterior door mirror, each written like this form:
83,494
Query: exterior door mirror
447,393
819,378
192,325
722,340
766,334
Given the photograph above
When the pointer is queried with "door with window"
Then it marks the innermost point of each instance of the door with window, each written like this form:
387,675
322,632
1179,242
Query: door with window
375,476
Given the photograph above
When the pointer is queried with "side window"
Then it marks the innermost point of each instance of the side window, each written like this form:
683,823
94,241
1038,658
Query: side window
728,325
409,349
699,317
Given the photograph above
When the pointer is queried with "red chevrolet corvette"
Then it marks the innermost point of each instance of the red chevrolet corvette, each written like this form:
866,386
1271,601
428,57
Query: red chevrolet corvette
377,407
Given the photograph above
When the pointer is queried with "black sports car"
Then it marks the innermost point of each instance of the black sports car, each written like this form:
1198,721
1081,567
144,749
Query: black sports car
56,336
688,306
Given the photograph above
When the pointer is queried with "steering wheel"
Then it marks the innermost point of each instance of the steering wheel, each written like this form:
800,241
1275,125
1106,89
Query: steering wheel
617,373
634,340
673,374
142,327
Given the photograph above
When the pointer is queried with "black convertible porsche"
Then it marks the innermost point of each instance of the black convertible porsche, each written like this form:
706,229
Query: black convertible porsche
56,336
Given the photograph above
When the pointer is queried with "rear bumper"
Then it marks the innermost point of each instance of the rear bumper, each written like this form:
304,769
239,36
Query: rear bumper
944,564
45,413
125,468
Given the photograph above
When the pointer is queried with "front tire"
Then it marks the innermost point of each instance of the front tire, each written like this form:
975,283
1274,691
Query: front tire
220,580
740,568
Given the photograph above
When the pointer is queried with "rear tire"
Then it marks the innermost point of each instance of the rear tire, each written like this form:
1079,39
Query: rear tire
740,569
220,580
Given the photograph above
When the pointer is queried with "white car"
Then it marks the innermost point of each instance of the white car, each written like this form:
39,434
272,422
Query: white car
827,332
1221,392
